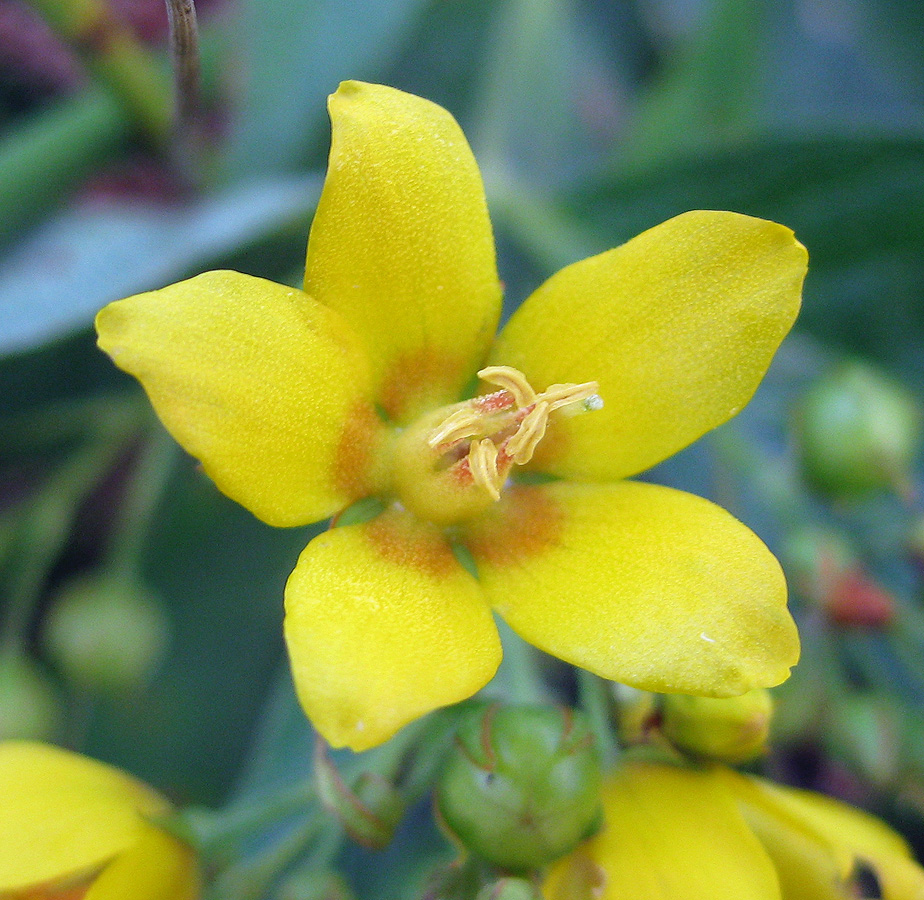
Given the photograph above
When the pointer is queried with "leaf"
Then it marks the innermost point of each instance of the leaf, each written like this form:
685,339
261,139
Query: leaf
55,280
293,53
857,203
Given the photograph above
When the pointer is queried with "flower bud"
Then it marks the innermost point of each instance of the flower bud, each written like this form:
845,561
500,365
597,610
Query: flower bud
824,568
637,712
522,787
370,811
857,431
105,634
29,706
729,729
510,889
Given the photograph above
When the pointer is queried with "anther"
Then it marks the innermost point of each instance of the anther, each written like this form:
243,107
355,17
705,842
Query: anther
482,462
511,380
521,446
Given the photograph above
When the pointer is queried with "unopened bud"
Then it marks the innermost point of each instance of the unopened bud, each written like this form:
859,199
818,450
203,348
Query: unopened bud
510,889
858,432
637,712
106,634
370,810
523,786
728,729
29,705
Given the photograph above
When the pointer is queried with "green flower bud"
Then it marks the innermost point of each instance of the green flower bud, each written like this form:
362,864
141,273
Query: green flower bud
636,712
29,705
369,811
729,729
314,884
510,889
523,786
105,634
857,431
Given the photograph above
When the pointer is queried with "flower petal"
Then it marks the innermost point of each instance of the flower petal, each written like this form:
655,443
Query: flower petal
677,326
820,846
157,867
639,583
383,625
268,388
64,814
401,245
669,833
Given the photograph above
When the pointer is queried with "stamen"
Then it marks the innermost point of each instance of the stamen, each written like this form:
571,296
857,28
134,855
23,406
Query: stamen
482,462
521,446
463,423
559,395
512,380
488,434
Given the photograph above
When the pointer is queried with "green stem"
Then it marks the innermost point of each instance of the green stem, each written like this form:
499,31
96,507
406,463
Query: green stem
139,504
47,526
550,236
217,832
252,877
595,701
115,56
42,159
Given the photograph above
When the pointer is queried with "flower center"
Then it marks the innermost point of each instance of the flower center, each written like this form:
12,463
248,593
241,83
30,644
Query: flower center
452,463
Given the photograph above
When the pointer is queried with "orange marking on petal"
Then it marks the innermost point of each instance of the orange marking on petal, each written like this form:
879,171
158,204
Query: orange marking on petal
416,546
426,375
355,450
524,523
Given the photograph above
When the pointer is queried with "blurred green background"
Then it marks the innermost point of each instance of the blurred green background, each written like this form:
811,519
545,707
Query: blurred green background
592,120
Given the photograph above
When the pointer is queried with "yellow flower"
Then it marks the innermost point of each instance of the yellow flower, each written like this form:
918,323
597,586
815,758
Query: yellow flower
673,833
75,829
298,403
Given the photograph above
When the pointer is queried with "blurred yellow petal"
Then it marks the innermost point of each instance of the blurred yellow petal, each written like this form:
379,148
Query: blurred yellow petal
62,814
383,625
641,584
677,326
268,388
401,245
669,834
157,867
821,846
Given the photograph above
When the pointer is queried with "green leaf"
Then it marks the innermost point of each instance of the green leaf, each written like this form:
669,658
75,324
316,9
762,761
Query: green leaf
55,280
292,54
856,202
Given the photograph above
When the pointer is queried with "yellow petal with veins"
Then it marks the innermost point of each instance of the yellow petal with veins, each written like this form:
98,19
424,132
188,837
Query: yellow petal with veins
669,834
62,814
401,245
641,584
383,625
677,326
267,387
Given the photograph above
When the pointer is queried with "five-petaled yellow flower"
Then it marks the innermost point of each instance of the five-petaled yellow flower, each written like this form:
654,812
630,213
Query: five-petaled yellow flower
673,833
298,403
75,829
